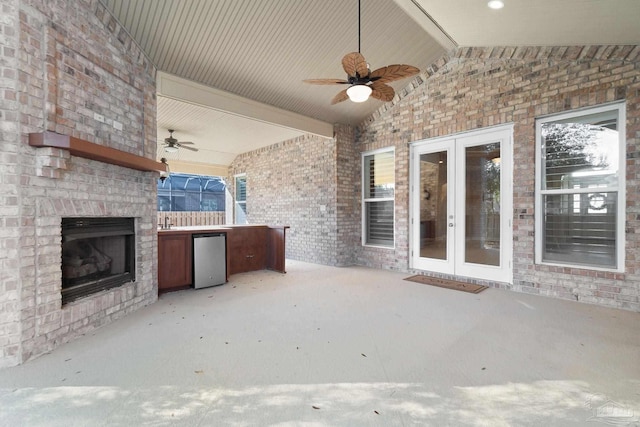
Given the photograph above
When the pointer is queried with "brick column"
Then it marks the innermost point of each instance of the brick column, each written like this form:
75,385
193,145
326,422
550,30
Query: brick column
347,195
10,329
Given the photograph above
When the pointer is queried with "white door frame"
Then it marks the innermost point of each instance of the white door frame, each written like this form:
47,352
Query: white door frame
455,146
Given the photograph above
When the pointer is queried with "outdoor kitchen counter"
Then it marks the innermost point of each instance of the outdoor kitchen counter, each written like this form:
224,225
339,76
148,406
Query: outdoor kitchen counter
249,248
199,229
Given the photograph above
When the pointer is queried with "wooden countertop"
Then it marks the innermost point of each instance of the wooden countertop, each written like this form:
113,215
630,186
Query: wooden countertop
215,228
194,229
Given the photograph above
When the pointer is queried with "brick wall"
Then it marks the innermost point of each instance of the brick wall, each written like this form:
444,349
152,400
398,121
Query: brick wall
473,88
468,89
10,222
74,61
347,205
294,183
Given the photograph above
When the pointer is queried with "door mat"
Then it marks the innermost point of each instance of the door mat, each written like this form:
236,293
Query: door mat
449,284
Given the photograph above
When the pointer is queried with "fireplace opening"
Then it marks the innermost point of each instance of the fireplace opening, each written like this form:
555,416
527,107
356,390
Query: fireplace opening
97,254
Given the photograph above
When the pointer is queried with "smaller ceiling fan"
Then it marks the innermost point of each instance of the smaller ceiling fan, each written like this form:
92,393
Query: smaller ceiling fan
171,144
362,81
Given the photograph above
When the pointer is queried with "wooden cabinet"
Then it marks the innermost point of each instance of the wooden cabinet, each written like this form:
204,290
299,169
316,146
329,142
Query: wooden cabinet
276,249
174,261
247,249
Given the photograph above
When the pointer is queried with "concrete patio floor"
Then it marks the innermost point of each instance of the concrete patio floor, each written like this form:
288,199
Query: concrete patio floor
323,346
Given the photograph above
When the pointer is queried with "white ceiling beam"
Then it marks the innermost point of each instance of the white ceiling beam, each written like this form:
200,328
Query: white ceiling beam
196,168
185,90
414,9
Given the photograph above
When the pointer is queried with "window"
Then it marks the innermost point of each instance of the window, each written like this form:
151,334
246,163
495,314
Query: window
580,188
192,193
241,199
378,191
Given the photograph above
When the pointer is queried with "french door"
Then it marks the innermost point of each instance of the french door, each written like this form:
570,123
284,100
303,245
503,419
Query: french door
461,204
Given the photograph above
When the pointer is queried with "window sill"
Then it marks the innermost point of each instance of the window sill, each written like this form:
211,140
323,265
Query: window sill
581,267
368,245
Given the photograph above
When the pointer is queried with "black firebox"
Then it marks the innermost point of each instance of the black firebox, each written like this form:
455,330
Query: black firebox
98,253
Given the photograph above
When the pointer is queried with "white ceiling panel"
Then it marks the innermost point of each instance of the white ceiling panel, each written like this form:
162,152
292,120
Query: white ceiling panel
539,22
261,50
218,136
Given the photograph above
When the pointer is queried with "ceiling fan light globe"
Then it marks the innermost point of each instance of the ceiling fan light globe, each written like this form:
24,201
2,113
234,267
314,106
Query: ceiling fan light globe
359,93
170,149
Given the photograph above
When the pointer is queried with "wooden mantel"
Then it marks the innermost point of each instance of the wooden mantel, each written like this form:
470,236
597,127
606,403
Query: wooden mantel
89,150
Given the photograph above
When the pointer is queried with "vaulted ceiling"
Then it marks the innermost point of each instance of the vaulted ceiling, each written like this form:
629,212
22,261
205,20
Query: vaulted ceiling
232,71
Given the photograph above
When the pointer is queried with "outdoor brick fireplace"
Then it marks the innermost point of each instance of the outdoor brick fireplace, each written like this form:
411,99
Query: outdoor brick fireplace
93,245
78,147
97,254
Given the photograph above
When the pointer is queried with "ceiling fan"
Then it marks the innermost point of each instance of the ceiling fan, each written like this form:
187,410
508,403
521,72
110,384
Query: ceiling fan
171,144
362,81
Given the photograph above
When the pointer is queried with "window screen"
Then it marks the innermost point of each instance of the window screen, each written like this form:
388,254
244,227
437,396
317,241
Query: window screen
579,188
378,198
193,193
241,199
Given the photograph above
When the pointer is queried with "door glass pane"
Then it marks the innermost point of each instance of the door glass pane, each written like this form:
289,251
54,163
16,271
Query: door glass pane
482,208
433,205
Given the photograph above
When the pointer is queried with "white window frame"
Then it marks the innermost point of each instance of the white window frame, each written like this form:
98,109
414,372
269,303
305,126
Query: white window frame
620,107
237,203
377,199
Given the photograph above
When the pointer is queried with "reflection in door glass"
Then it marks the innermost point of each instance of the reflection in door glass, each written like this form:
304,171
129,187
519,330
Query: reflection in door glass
482,219
433,205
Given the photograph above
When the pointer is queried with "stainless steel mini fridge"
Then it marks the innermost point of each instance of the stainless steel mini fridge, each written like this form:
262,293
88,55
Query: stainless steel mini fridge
209,260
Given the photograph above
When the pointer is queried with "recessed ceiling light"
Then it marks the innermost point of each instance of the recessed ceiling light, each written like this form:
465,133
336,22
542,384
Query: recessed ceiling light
495,4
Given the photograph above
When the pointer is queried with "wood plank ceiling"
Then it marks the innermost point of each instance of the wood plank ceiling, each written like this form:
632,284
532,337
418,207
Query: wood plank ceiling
261,50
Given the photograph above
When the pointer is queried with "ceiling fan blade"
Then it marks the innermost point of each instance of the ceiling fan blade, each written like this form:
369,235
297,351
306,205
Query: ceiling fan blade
382,92
187,148
326,81
185,142
354,63
393,72
341,96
